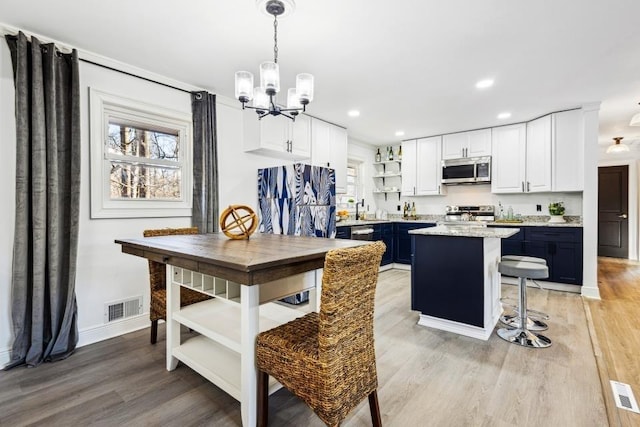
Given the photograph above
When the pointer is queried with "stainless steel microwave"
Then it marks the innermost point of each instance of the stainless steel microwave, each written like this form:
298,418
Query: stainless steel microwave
469,170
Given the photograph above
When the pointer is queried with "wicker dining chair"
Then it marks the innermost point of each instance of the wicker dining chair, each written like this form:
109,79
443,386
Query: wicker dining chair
157,280
327,359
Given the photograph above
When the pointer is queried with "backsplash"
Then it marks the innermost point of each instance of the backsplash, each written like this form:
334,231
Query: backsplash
523,204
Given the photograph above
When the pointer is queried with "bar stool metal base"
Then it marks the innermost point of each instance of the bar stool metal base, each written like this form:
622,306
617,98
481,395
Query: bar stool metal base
524,338
513,321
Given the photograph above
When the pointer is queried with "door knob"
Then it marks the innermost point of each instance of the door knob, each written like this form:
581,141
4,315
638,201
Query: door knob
623,216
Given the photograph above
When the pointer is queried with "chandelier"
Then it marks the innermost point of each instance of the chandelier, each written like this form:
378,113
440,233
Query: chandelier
263,96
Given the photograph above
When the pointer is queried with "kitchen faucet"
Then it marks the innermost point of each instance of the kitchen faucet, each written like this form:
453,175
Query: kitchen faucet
357,214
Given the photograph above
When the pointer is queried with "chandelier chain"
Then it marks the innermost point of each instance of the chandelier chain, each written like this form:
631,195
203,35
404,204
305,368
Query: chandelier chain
275,39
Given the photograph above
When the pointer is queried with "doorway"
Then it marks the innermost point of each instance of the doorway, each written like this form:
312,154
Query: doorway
613,211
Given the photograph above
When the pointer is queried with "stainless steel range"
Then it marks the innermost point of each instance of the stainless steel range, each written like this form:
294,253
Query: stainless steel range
482,213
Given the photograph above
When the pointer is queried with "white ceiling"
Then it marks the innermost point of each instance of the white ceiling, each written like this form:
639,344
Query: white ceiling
409,65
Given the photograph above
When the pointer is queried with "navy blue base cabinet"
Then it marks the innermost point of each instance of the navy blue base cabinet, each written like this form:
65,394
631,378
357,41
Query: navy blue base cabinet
442,286
343,232
384,232
560,247
402,244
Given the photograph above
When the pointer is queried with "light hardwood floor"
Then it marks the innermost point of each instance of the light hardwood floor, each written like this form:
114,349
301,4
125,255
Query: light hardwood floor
615,327
426,378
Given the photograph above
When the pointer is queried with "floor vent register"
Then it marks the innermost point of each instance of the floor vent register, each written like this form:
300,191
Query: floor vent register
118,310
623,396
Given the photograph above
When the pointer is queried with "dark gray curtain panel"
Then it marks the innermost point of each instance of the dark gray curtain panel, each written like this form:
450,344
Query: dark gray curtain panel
43,306
205,162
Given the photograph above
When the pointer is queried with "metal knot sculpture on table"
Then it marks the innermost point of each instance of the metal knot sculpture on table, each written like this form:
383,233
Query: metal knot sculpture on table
238,222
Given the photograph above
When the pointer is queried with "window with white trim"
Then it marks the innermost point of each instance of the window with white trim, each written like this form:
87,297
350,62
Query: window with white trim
140,158
354,192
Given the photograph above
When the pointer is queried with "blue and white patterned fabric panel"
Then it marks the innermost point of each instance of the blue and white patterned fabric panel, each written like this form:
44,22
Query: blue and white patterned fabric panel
318,221
314,185
283,189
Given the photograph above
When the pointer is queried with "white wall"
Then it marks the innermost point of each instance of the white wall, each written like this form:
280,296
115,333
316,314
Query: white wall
590,202
104,273
8,194
238,171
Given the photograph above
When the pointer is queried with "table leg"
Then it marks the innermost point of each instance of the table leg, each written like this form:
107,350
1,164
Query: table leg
172,327
315,293
249,324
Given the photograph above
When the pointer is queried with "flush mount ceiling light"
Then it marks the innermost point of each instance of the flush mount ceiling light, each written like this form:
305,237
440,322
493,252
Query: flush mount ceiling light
354,113
483,84
263,96
617,147
400,133
504,115
635,120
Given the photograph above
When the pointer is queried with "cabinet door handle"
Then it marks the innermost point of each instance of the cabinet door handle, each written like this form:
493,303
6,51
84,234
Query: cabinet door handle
522,182
623,216
414,191
528,187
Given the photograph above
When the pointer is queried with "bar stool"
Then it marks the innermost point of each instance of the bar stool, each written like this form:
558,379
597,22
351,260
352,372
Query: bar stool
523,271
534,317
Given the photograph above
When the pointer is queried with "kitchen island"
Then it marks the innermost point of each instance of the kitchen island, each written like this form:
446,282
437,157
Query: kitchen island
455,283
241,275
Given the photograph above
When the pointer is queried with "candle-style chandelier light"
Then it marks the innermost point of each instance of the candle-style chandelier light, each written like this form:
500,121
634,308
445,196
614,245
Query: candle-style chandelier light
263,96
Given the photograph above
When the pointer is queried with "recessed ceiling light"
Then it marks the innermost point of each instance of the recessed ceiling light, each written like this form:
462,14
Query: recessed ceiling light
400,133
483,84
504,115
353,113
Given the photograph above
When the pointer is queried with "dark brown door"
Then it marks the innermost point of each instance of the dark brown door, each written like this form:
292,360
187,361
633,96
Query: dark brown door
613,211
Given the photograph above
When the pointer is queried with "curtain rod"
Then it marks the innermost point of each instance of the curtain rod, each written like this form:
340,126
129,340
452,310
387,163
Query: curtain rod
134,75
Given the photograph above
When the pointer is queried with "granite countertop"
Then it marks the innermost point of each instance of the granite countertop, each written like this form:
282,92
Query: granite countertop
432,219
466,231
352,222
536,224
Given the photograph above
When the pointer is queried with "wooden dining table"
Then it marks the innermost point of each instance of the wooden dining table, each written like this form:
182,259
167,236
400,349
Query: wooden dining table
243,276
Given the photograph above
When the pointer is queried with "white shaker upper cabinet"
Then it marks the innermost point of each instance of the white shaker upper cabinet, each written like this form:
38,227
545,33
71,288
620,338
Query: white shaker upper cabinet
474,143
277,136
429,167
329,149
300,136
508,159
567,147
409,162
339,157
538,155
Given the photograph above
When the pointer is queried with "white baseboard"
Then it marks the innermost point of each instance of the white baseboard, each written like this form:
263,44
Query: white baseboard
590,292
110,330
97,333
456,327
5,357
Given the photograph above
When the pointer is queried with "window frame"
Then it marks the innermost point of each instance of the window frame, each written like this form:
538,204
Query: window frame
105,106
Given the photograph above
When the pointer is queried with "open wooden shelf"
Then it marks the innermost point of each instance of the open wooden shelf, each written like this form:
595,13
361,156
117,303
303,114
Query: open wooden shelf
221,322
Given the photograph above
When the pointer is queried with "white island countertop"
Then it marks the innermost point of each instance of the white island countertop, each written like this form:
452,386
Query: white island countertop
461,231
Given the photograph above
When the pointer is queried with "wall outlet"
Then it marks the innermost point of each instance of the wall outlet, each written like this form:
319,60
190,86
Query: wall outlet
538,208
399,208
